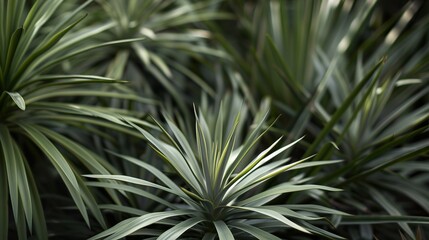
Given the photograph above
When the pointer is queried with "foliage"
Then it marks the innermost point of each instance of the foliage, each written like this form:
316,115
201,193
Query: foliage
171,37
39,122
219,195
78,78
311,57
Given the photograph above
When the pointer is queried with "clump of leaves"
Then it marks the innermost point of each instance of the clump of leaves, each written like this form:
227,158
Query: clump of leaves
39,121
170,37
220,195
320,62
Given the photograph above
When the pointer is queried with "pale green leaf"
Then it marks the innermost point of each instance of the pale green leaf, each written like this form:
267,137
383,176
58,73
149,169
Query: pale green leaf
176,231
121,230
275,215
255,231
223,231
59,162
18,99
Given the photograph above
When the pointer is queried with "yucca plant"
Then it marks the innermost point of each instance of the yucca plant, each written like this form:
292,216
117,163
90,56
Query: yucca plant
41,123
357,86
377,136
216,187
373,116
308,55
172,37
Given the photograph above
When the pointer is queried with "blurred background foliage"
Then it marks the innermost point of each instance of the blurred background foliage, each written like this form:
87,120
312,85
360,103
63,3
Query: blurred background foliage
161,118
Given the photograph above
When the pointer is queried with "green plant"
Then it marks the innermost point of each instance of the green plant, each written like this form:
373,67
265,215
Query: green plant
349,75
379,138
355,84
220,194
161,66
40,121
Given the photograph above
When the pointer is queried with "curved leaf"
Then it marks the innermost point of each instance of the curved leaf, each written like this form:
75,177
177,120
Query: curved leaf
18,99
